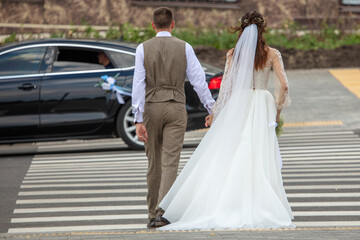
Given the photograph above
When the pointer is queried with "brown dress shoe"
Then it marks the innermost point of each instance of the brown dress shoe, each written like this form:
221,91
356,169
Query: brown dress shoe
161,221
151,223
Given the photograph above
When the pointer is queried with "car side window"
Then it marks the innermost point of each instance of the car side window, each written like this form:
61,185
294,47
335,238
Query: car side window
122,60
20,62
69,59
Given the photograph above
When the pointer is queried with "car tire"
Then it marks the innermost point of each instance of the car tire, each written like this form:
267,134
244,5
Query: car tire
125,127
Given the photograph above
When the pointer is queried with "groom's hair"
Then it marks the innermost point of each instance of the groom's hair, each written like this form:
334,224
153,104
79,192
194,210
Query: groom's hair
163,17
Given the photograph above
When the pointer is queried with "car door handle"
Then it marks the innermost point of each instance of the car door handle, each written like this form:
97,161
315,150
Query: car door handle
27,86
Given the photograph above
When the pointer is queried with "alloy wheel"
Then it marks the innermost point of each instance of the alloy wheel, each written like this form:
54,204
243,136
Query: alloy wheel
129,126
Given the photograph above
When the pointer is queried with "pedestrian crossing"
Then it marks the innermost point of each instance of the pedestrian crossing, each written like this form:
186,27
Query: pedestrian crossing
106,191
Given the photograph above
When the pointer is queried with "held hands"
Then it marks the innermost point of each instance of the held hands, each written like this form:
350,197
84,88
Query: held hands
208,120
141,132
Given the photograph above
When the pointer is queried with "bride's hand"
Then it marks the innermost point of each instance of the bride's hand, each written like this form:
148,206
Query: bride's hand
278,116
208,120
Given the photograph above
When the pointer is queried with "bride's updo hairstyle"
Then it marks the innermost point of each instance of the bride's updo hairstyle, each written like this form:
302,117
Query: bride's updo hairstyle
249,18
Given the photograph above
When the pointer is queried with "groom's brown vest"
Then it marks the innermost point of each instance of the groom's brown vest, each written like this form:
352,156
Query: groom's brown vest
165,66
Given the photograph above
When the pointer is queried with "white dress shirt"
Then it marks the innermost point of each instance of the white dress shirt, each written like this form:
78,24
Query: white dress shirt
194,72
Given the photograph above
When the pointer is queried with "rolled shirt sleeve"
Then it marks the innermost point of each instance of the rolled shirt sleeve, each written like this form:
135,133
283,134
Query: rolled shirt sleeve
138,89
196,75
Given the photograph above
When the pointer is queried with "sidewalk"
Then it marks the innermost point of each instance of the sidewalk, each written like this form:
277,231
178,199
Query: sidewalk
318,96
300,234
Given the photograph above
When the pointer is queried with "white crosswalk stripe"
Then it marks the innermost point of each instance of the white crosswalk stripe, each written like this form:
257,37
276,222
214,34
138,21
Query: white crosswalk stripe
107,191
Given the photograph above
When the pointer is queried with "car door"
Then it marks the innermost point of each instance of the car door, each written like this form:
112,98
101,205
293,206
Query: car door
19,92
70,102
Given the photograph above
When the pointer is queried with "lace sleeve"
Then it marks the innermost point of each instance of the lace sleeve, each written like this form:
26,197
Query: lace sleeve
225,88
282,97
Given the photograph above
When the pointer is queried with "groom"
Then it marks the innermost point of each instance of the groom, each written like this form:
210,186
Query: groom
158,98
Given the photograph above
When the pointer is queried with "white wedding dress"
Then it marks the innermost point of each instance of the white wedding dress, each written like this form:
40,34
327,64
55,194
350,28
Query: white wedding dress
233,180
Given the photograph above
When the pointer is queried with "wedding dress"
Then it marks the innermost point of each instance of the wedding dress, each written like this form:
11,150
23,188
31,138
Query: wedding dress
233,179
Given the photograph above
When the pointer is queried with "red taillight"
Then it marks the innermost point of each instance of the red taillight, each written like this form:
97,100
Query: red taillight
215,82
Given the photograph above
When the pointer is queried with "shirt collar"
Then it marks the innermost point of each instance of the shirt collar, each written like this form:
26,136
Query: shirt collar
163,34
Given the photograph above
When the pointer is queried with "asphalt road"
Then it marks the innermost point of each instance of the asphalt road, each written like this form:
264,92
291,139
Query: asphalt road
12,172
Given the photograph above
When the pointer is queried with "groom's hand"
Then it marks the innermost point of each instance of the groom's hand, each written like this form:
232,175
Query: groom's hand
208,120
141,132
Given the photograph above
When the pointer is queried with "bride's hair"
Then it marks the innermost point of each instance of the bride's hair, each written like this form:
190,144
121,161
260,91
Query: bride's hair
249,18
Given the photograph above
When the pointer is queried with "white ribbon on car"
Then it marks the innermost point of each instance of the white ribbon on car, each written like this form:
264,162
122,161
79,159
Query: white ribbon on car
109,85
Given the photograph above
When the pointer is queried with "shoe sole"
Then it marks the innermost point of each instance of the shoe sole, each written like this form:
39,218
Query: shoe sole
161,224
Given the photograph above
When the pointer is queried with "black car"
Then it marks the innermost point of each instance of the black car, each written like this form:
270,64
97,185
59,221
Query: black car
48,91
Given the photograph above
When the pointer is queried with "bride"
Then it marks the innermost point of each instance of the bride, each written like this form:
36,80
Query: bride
233,180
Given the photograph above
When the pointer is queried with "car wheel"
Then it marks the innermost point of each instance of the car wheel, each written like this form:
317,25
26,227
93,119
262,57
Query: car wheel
126,128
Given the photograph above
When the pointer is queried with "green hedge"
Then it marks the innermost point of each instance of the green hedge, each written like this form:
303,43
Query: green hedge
290,35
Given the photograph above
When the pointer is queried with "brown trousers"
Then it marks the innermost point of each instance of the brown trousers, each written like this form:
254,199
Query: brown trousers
166,124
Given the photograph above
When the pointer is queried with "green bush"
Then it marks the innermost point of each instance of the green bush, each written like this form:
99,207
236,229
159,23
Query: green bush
218,38
11,38
113,33
291,35
136,34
